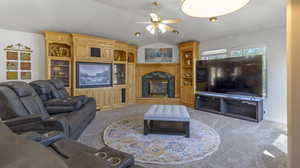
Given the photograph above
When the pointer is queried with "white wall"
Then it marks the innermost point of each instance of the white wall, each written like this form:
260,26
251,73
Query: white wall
141,51
32,40
275,41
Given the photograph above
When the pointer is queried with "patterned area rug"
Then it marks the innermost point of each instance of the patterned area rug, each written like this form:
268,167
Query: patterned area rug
127,136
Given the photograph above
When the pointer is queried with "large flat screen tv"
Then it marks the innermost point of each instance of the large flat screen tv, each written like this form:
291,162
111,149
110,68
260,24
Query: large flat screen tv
92,75
234,75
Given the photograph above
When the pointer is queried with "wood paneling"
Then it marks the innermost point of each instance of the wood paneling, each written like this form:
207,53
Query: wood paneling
158,101
103,96
131,83
143,69
83,45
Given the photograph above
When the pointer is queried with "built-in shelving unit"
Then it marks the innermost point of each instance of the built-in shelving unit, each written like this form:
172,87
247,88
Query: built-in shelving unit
59,57
64,51
189,52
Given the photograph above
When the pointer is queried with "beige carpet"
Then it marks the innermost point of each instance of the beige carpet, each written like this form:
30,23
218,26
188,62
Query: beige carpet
244,144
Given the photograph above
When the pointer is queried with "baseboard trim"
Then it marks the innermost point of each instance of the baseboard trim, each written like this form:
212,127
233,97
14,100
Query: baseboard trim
158,101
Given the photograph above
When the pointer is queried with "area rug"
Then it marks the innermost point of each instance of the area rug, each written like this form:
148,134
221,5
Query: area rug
127,136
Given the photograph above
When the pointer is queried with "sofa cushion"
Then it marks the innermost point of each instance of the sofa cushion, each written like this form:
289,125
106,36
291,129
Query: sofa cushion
43,88
58,89
58,84
63,105
20,99
22,89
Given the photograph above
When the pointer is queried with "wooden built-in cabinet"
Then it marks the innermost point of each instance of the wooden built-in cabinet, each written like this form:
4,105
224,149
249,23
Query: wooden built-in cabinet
83,48
64,51
131,68
189,52
58,59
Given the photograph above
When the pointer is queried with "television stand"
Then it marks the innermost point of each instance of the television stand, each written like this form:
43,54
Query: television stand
238,106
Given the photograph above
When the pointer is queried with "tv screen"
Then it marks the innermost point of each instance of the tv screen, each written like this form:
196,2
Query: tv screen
235,75
92,75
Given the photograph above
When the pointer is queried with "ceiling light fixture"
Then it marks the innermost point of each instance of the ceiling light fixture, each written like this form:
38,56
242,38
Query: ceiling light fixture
211,8
213,19
151,29
156,3
175,31
137,34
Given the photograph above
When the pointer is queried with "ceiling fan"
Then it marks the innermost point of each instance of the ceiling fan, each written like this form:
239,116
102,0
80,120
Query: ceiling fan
157,24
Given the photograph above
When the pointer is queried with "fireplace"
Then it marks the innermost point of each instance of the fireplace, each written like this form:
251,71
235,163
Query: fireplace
158,84
158,88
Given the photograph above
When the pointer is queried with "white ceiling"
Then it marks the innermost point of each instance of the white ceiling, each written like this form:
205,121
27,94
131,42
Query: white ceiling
117,19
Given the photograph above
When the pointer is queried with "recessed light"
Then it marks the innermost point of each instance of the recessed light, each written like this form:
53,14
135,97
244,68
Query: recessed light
137,34
156,3
175,31
213,19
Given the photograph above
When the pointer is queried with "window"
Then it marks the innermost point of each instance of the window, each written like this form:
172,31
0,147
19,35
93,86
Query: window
214,54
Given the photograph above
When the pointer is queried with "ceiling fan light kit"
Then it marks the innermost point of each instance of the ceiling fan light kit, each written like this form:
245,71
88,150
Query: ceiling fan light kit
211,8
151,29
158,25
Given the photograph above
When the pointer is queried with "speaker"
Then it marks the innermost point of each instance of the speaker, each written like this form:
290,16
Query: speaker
123,95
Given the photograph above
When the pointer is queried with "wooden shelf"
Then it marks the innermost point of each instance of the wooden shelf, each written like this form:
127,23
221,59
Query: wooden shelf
119,62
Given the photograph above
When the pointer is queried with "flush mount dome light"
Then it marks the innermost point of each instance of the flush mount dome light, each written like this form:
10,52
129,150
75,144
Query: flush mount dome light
211,8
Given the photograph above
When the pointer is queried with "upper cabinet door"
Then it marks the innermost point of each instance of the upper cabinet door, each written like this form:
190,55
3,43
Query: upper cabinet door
94,49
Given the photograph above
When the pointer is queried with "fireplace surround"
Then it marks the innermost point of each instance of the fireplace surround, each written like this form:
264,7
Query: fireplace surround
158,84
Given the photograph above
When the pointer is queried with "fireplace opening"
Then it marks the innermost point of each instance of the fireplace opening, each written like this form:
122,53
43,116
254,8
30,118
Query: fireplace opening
158,88
158,84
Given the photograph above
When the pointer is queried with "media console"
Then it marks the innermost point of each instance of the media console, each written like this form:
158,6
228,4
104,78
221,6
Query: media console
238,106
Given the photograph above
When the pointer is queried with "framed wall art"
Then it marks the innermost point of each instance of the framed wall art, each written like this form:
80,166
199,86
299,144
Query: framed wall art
158,55
18,62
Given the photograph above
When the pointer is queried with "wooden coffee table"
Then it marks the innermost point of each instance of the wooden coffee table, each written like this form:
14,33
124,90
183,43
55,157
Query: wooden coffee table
167,119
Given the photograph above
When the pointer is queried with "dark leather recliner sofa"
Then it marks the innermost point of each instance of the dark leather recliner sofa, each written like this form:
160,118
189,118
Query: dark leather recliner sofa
19,99
53,150
79,110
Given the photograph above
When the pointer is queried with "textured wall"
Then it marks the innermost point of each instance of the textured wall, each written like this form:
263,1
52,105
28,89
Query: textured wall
275,42
32,40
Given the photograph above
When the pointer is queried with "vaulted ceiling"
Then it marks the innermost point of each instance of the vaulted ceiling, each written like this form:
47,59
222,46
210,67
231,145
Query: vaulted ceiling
117,19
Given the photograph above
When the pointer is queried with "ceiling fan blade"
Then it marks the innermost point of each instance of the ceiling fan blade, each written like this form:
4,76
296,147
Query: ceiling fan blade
144,22
154,17
168,28
171,21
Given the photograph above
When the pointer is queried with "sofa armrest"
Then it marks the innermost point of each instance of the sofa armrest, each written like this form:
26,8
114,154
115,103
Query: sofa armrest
52,124
52,110
45,139
23,120
25,124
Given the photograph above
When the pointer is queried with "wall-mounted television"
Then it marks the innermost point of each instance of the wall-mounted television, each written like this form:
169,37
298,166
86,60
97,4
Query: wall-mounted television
244,75
93,75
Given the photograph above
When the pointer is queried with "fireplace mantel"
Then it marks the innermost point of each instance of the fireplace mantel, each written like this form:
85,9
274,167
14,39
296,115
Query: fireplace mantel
146,68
